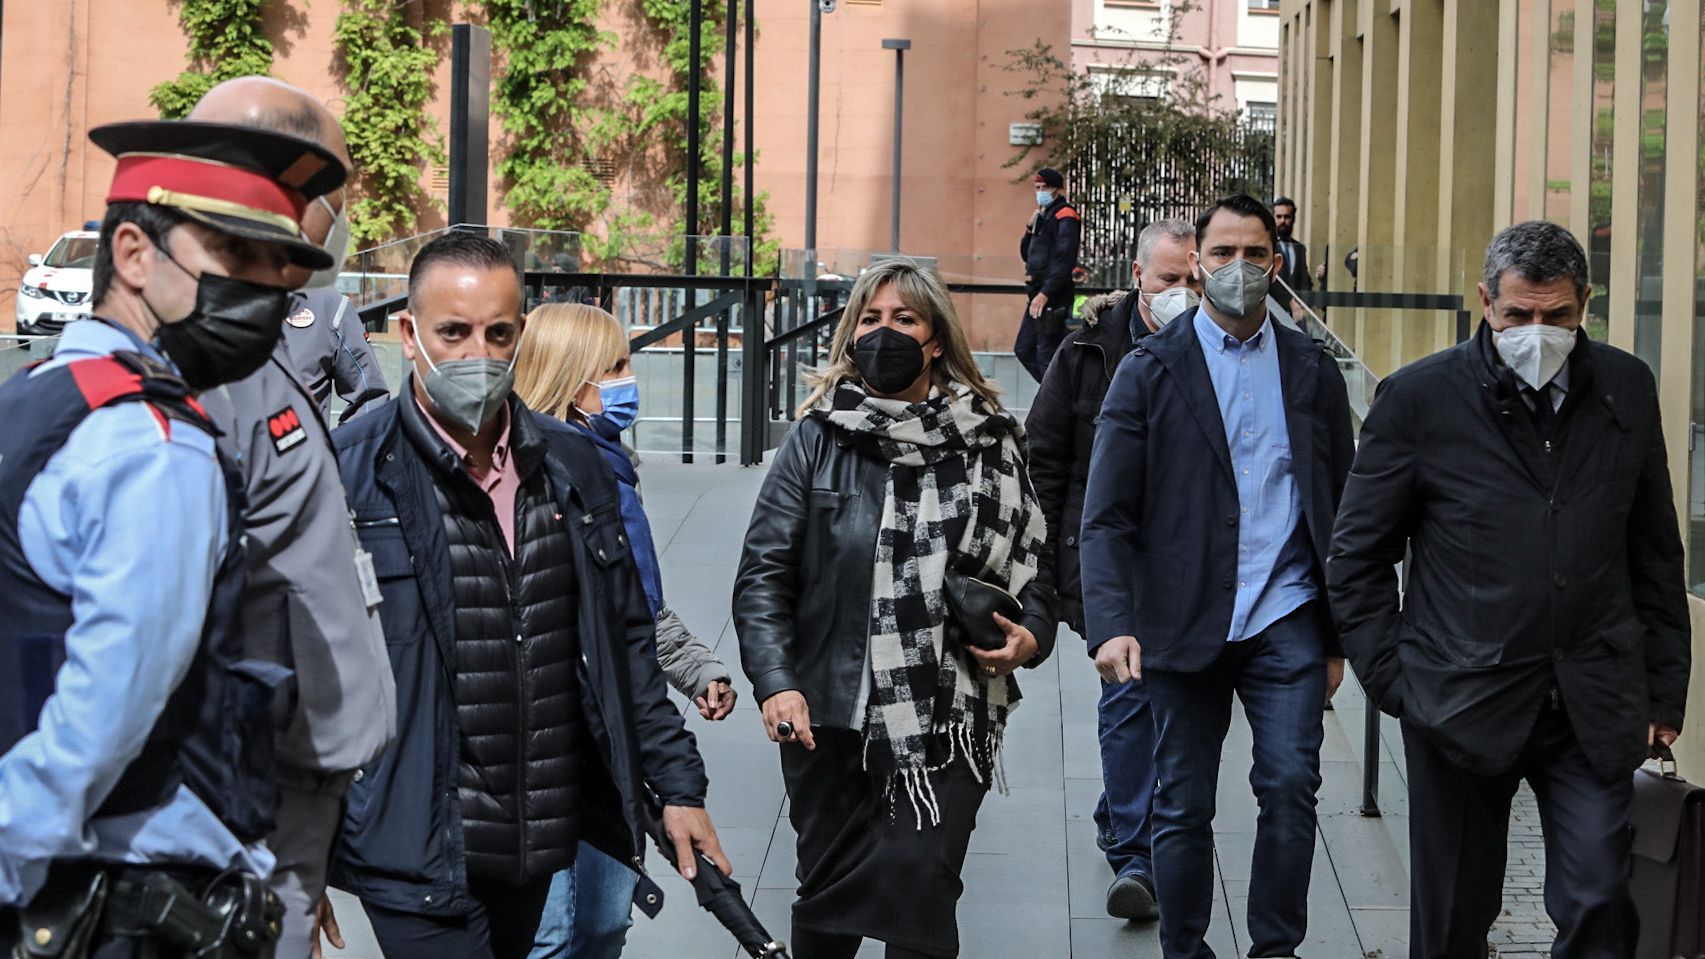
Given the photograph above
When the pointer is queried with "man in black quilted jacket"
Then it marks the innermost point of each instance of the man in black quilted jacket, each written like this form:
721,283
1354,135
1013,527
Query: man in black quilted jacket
532,714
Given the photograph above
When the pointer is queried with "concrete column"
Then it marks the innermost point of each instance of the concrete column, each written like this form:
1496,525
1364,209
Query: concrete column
1580,161
1344,200
1414,199
1675,391
1314,212
1504,136
1625,175
1681,195
1375,225
1539,131
1467,118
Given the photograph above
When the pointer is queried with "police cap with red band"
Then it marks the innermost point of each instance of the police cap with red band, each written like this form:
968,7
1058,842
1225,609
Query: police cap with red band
239,180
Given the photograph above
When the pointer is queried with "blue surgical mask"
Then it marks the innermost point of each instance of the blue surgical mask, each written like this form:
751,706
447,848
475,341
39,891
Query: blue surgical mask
620,398
1044,197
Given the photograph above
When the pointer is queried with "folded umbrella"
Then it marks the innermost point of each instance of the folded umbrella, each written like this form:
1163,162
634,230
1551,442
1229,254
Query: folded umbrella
720,896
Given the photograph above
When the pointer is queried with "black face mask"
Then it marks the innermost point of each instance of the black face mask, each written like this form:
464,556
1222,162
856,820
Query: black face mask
888,360
229,334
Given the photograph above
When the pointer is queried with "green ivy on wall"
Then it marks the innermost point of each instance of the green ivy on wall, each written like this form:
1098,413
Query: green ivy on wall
388,73
225,41
664,109
544,48
553,122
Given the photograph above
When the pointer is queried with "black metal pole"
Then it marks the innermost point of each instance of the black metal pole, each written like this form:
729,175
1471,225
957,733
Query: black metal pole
899,124
690,335
751,203
1370,762
695,27
899,47
470,109
729,51
728,55
812,66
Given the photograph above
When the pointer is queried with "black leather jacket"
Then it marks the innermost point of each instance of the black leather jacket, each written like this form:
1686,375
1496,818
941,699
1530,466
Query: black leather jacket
802,596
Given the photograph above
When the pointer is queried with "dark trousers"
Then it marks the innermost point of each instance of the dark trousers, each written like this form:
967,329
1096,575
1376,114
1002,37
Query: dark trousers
867,867
1125,725
501,927
1040,337
1280,676
1459,825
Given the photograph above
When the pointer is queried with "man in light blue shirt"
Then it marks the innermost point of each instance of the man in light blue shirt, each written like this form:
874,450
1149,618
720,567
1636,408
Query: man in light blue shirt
131,734
1273,562
1220,455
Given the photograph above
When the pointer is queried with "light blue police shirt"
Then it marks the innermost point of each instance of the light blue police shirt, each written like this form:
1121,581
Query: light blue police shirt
1273,562
128,519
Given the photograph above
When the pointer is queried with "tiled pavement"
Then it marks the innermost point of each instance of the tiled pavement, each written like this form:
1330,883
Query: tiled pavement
1034,880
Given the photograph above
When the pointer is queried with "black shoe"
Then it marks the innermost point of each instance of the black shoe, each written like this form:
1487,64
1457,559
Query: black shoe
1132,897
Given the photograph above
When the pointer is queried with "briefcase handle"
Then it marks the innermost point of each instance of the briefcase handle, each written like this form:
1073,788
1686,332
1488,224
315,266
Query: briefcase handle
1666,761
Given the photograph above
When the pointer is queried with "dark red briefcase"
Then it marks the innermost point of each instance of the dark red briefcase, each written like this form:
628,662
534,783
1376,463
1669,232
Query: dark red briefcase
1669,863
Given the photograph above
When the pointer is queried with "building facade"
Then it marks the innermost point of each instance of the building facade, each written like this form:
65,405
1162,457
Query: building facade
1147,47
1413,130
69,65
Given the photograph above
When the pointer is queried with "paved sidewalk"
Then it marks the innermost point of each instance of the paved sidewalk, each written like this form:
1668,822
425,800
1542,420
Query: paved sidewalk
1035,882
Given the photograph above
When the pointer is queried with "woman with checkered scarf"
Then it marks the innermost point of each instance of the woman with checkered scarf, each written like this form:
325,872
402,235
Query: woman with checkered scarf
903,465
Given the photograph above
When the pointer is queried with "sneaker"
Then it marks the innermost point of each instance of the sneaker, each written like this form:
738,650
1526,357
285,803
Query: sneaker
1132,897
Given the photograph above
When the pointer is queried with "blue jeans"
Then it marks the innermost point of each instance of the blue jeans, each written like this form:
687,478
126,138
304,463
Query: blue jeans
1125,724
1280,675
589,911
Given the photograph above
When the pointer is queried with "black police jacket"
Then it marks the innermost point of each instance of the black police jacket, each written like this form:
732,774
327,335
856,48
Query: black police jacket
1529,568
1050,250
1061,429
403,846
802,595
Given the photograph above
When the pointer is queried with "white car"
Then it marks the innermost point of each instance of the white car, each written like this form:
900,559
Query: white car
56,288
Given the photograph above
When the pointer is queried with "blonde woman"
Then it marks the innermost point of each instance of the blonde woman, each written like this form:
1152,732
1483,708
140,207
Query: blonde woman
902,468
573,364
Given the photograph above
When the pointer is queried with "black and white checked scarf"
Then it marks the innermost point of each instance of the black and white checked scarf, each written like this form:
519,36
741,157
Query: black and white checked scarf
953,465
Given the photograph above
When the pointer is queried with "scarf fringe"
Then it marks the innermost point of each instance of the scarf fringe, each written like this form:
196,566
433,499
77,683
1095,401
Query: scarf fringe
961,741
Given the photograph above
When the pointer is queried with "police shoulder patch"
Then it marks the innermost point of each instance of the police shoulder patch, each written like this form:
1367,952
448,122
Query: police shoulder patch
301,319
285,428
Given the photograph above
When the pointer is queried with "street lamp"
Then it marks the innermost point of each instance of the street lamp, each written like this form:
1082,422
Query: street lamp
899,46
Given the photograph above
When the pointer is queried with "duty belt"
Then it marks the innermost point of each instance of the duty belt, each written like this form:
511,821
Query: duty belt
226,915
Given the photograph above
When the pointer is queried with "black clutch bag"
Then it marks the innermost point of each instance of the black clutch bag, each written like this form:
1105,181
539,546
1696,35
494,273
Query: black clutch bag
971,608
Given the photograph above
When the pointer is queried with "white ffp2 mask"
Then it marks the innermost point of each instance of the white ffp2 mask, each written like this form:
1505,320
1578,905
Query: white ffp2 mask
1535,352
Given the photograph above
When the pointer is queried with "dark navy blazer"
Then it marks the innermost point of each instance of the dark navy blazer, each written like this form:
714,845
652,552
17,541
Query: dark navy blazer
1160,517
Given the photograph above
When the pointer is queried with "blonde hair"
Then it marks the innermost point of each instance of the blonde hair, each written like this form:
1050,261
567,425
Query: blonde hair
563,347
923,291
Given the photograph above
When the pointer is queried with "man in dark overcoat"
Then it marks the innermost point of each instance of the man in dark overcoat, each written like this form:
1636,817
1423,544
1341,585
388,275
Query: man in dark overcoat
1542,633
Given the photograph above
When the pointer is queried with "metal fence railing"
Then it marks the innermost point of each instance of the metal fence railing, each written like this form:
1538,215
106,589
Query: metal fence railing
1362,383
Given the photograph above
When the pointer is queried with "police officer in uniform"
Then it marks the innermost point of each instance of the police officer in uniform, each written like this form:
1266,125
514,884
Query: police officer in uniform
323,337
323,333
136,772
310,599
329,347
1049,249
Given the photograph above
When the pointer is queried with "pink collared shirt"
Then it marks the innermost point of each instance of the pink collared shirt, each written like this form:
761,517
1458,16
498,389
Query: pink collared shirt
499,482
